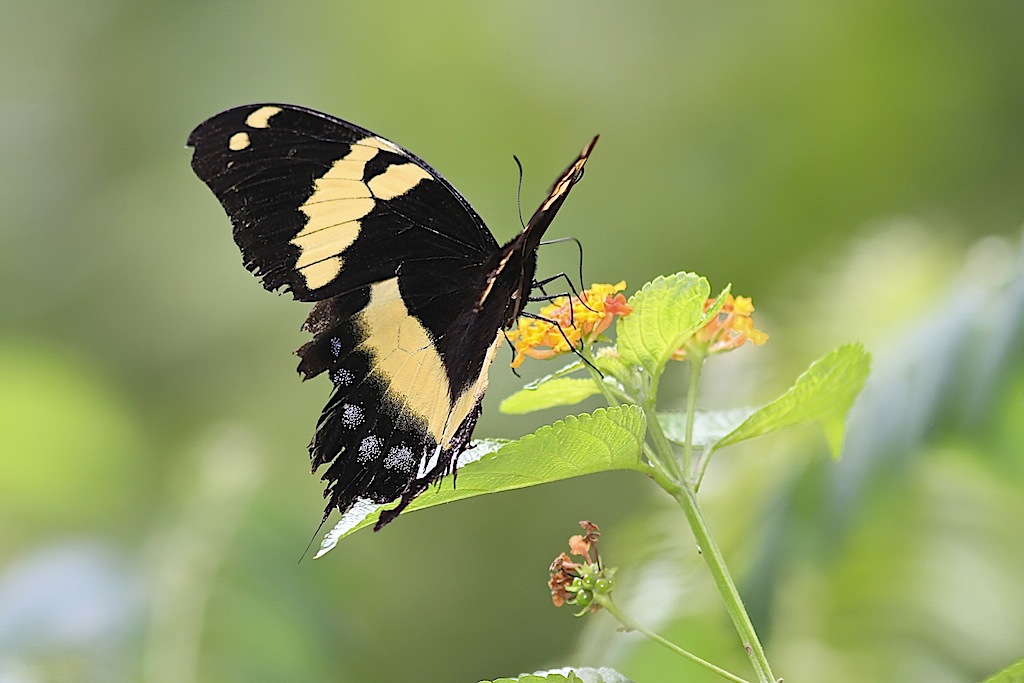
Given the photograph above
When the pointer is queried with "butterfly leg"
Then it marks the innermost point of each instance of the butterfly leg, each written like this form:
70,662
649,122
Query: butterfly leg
572,346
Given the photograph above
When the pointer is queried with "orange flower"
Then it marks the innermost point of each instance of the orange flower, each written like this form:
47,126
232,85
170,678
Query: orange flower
729,330
580,544
581,583
572,320
563,570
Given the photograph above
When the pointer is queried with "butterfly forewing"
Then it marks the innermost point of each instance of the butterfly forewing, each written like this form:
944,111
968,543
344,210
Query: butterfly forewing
412,290
321,206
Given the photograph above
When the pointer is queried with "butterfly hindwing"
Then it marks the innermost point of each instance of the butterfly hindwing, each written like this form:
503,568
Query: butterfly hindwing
400,392
412,291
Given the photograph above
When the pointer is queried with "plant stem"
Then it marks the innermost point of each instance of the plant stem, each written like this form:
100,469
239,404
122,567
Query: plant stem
662,448
663,454
612,608
703,460
615,396
610,398
687,500
696,363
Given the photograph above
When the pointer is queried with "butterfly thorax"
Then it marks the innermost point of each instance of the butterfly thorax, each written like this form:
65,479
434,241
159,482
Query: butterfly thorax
509,281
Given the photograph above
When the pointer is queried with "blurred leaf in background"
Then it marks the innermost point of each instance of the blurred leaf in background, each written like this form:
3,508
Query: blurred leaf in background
865,155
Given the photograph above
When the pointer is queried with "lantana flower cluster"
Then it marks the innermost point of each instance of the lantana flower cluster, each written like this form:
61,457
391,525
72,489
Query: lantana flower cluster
582,583
729,330
567,321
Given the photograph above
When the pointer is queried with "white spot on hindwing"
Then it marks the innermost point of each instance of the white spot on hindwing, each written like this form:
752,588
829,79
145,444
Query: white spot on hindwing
335,346
342,377
352,415
369,449
400,458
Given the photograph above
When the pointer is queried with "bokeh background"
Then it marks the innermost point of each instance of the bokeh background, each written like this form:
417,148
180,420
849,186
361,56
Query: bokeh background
855,166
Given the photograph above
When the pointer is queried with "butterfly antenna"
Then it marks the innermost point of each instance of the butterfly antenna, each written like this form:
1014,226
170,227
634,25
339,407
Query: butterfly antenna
579,247
519,192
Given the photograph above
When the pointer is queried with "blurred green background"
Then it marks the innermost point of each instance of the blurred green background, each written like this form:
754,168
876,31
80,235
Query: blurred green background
856,167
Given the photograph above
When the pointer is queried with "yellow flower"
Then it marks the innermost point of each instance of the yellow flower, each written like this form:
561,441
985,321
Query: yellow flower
729,330
568,321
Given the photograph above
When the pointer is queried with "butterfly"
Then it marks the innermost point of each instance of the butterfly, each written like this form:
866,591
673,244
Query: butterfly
411,291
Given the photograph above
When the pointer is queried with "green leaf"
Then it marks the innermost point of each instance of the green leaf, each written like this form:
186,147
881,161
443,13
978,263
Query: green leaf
1012,674
665,312
567,370
612,364
558,391
709,425
567,675
537,678
607,439
824,393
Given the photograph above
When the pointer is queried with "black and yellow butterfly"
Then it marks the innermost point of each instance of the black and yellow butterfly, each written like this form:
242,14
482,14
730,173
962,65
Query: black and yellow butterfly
412,291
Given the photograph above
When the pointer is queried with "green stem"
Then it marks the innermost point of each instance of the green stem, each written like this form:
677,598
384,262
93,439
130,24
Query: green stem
687,500
663,453
610,398
656,470
686,496
696,364
612,608
680,480
662,447
615,396
703,460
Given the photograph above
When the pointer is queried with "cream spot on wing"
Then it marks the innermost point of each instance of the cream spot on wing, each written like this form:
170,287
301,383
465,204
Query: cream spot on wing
565,183
396,180
328,187
380,143
491,279
340,199
465,403
364,150
405,357
238,141
321,273
261,117
325,243
328,209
